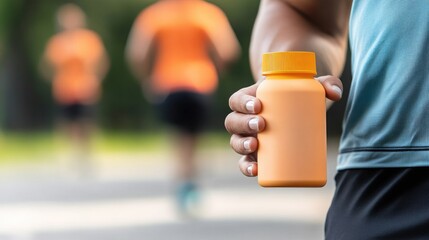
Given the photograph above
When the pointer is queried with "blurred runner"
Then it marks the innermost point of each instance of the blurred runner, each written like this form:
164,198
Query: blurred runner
78,61
183,41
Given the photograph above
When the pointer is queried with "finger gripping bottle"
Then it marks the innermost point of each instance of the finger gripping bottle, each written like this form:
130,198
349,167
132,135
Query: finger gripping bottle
292,147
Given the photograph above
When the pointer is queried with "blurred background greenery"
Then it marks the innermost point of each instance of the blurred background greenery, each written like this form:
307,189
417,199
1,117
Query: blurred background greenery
25,98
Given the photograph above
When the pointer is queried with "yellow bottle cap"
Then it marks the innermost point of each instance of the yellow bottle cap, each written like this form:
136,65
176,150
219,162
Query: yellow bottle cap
288,62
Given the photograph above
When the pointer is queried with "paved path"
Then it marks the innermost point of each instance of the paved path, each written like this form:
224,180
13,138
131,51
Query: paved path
128,197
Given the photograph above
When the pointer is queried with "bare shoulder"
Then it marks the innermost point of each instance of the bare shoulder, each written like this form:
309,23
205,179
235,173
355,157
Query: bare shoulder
89,34
55,39
210,7
151,11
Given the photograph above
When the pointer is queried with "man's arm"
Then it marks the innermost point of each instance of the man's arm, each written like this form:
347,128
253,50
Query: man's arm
306,25
138,47
288,25
222,36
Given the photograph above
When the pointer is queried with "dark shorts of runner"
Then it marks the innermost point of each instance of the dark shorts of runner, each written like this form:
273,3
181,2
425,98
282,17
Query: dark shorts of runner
185,110
388,203
75,111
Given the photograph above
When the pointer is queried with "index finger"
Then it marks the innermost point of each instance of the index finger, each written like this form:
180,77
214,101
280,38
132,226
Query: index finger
245,101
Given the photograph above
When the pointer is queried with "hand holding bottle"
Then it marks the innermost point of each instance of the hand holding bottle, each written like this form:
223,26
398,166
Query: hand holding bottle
244,123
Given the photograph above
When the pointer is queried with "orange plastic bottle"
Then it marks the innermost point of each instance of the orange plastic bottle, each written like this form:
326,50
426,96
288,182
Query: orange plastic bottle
292,147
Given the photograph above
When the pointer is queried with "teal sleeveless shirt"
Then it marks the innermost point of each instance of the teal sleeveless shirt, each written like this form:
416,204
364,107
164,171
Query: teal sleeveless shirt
386,123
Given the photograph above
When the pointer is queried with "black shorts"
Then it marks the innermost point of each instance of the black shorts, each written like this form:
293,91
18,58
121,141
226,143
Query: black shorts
75,111
388,203
187,111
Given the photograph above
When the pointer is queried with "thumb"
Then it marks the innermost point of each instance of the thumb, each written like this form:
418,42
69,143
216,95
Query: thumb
333,87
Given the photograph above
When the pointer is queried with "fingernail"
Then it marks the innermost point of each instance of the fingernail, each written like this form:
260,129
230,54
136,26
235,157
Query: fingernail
320,79
337,90
250,170
253,124
246,145
250,106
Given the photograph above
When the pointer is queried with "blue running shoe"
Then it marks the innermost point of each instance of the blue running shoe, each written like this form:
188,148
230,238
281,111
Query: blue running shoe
188,199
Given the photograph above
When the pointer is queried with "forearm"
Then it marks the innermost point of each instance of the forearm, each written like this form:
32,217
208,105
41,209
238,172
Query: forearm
139,69
280,26
138,54
137,61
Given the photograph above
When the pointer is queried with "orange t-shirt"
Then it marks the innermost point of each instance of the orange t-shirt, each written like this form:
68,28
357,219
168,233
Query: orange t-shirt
183,32
75,56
